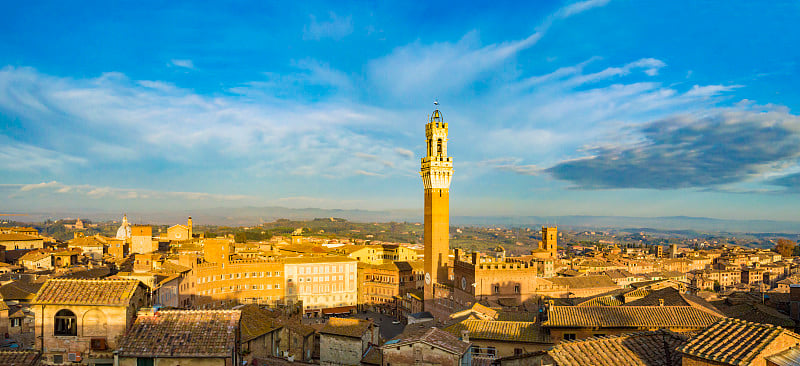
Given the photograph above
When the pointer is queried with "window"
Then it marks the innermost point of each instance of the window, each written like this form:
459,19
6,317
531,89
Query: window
517,351
496,289
277,286
516,288
16,322
569,336
144,361
66,324
491,351
59,359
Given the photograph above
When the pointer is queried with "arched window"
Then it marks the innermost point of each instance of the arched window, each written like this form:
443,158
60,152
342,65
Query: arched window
439,147
66,323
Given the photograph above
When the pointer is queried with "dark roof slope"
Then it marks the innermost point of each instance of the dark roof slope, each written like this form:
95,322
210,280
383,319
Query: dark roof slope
655,348
432,336
182,333
734,341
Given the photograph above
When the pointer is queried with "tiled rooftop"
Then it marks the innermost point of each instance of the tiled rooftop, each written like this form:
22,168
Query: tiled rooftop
182,333
256,322
655,348
583,281
346,327
430,335
733,341
510,331
673,297
19,358
115,292
629,317
17,237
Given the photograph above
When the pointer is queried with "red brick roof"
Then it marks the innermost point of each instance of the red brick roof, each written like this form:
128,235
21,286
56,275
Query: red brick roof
114,292
182,333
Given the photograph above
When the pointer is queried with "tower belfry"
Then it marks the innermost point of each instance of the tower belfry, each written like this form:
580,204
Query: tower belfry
436,171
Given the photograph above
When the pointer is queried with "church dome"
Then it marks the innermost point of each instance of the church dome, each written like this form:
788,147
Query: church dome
124,231
436,116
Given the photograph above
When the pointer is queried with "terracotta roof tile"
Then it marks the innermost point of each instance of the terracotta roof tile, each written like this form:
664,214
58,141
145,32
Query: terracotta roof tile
182,333
734,341
655,348
256,322
346,327
19,358
629,316
500,330
89,291
583,281
432,336
18,237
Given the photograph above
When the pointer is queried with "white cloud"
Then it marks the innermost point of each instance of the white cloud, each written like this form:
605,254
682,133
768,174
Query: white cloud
335,28
581,6
709,90
441,66
114,119
186,64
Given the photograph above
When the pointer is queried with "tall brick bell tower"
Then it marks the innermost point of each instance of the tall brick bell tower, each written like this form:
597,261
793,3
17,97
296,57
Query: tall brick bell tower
436,171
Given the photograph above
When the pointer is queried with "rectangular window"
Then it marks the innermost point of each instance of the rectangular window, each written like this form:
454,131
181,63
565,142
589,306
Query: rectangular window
516,288
277,286
144,361
496,289
569,336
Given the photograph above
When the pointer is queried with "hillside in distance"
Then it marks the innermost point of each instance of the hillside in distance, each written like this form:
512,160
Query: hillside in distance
245,216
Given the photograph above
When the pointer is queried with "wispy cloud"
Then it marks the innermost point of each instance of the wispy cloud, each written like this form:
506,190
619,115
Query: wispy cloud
15,156
183,63
105,192
580,7
335,27
170,124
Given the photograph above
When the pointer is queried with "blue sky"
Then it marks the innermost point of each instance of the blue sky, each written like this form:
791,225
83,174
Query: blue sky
598,107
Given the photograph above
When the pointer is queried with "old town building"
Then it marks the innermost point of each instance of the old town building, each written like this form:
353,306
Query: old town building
80,320
324,285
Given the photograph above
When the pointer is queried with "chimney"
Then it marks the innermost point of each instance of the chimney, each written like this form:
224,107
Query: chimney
794,301
465,335
660,302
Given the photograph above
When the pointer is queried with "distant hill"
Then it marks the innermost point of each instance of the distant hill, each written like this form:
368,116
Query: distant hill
245,216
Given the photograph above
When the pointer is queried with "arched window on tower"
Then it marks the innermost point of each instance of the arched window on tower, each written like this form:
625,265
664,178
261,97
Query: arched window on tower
66,323
439,147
